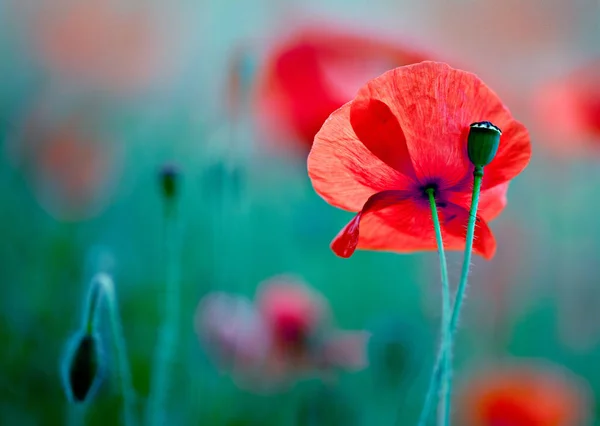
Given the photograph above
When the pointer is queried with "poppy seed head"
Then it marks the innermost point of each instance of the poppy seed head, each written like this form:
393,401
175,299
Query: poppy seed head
485,125
483,142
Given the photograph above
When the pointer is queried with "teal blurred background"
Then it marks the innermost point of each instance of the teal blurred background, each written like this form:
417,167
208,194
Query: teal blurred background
96,96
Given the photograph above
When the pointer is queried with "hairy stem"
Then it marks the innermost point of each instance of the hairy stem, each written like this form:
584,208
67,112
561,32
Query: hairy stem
445,353
433,390
462,287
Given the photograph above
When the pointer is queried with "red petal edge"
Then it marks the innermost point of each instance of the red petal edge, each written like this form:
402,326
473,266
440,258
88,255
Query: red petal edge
345,243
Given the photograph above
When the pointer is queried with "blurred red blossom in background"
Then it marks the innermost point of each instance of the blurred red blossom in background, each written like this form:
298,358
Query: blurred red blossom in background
317,70
104,45
285,335
567,110
523,394
71,164
510,27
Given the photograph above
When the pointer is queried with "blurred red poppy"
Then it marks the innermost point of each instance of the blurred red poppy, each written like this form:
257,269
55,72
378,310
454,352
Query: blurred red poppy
71,166
517,28
102,44
405,132
568,111
315,72
523,395
286,334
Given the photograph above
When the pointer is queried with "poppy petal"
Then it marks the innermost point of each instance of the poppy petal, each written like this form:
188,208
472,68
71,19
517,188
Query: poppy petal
378,129
455,224
407,226
513,154
344,244
435,105
491,201
343,170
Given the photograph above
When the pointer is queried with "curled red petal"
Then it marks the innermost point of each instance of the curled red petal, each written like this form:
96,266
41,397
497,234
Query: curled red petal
345,243
378,129
403,226
343,170
406,226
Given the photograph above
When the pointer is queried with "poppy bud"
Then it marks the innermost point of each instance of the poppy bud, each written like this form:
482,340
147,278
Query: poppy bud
483,141
82,371
169,176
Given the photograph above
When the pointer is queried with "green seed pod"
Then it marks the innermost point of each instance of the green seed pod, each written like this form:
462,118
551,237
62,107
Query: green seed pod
169,177
483,141
83,367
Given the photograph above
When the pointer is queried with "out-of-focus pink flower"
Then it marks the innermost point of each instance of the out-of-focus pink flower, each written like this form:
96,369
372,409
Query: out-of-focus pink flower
70,165
315,72
293,313
287,334
523,394
233,332
303,338
103,44
568,111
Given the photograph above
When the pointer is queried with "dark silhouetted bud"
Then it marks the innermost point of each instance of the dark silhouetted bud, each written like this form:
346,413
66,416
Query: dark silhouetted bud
82,370
483,142
169,179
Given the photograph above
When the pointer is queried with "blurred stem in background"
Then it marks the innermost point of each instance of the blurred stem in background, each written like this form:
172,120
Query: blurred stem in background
167,340
102,287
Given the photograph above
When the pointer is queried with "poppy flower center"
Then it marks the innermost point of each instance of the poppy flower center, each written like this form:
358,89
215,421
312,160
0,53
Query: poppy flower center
431,187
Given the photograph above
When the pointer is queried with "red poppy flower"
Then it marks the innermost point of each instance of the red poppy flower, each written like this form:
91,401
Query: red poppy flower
404,132
316,72
522,395
568,111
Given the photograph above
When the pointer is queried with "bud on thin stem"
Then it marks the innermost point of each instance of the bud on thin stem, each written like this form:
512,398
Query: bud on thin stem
86,345
169,181
83,367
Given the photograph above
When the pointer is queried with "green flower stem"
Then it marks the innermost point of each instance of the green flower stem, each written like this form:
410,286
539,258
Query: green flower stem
445,296
462,286
445,351
102,287
94,297
167,341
